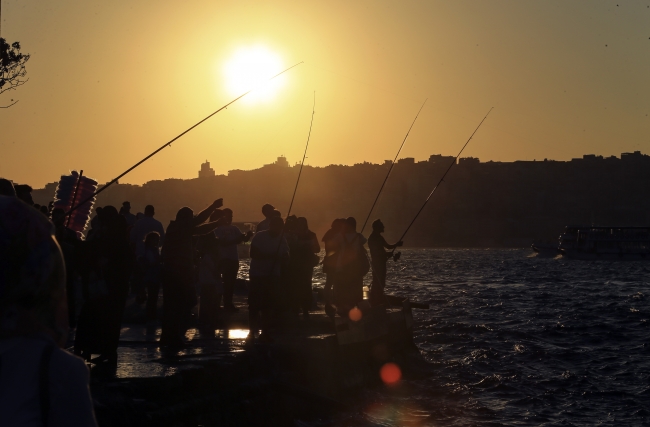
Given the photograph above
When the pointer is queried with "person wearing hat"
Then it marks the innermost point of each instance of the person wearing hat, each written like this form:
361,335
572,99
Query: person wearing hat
40,383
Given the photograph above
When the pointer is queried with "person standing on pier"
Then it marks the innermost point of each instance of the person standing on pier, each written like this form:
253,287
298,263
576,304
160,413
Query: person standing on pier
229,237
379,256
307,249
178,268
267,211
352,266
269,254
332,242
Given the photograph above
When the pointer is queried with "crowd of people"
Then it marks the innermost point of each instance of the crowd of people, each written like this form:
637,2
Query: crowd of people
47,268
196,258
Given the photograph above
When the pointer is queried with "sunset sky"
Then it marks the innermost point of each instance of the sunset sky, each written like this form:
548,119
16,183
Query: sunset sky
111,81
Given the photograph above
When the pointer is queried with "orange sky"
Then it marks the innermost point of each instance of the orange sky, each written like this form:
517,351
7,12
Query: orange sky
112,81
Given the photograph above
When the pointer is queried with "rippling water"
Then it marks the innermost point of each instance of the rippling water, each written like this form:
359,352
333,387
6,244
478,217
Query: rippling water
515,339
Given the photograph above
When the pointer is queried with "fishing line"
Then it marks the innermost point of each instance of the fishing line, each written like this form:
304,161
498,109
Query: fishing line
391,167
443,177
304,156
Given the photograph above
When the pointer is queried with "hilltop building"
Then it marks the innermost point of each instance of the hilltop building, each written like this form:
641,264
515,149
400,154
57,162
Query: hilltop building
281,161
206,171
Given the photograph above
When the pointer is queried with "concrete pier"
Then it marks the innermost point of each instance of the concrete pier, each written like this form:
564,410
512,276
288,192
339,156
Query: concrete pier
311,369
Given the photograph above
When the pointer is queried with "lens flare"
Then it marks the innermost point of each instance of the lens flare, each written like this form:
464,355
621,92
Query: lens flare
390,373
355,314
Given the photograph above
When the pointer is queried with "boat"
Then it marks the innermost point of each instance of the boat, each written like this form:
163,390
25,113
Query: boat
598,242
545,248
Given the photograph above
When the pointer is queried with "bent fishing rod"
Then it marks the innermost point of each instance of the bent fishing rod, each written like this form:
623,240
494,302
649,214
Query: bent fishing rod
443,177
391,167
169,143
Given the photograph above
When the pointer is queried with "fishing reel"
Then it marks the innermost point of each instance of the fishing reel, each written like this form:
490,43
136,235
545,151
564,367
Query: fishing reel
396,256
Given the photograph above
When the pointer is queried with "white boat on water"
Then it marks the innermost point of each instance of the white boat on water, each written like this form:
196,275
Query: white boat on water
613,243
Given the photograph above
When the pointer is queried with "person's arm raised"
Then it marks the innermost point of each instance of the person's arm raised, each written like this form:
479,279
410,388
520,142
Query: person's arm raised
204,228
205,213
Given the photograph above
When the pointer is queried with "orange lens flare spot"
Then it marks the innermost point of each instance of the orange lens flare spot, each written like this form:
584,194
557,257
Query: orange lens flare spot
355,314
390,373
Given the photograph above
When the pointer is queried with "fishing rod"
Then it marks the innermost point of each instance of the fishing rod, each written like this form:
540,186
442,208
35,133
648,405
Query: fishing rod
391,167
443,177
168,144
304,156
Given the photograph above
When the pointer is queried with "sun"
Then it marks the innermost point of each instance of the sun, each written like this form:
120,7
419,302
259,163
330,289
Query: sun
250,68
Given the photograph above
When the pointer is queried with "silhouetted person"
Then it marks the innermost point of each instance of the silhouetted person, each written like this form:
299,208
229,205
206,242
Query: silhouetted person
210,283
178,263
333,242
229,237
45,211
70,246
269,251
288,301
100,321
352,265
40,384
95,223
267,211
147,224
377,244
151,265
7,188
303,259
24,193
125,211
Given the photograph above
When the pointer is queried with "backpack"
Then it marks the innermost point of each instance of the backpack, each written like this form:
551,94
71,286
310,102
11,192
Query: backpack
356,261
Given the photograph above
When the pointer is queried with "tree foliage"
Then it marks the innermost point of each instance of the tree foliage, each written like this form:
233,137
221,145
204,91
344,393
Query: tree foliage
12,66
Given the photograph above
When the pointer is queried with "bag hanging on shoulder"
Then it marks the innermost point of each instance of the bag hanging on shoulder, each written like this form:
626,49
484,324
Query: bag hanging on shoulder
358,261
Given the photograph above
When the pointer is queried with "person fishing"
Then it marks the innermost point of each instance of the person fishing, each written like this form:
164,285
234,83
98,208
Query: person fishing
352,265
269,256
377,245
332,243
229,237
178,268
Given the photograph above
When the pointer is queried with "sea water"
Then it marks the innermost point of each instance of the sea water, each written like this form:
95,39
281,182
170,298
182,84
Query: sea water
515,339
